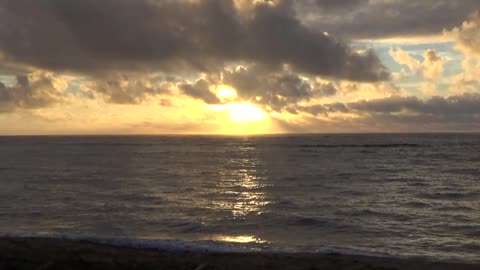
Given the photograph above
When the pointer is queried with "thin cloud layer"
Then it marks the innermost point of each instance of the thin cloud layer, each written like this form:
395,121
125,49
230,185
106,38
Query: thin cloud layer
466,104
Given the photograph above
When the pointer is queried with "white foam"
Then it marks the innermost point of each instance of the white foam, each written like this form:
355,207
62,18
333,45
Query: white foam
170,245
222,247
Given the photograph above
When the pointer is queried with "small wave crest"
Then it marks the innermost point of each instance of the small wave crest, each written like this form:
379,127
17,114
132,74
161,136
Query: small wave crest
449,195
416,204
393,145
169,245
308,221
188,227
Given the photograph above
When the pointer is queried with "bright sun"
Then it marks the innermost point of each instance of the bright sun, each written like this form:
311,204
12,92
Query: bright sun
243,118
226,93
239,117
245,113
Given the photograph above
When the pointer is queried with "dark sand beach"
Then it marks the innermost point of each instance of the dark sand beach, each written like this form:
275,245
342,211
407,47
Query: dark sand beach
45,254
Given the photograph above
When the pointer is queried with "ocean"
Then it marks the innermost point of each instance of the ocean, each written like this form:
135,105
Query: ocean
385,195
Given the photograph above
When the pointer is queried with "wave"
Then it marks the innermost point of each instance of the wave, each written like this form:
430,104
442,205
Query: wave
210,246
378,214
471,246
188,227
169,245
283,204
393,145
450,195
219,247
474,233
464,171
307,221
415,204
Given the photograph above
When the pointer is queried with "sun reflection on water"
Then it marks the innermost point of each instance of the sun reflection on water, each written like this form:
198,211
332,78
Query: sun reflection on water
242,181
238,239
241,189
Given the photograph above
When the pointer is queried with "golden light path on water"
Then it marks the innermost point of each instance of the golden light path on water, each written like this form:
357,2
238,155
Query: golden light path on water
241,182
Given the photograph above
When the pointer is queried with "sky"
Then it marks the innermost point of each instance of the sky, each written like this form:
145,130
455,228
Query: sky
239,66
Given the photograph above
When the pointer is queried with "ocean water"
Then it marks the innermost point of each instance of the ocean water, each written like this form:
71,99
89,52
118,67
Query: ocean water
392,195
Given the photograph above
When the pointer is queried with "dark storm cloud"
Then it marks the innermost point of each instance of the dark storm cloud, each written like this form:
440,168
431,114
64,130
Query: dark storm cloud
27,94
326,89
100,36
200,90
336,4
380,19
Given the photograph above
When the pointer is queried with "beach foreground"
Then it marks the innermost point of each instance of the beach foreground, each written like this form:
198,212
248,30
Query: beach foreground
45,254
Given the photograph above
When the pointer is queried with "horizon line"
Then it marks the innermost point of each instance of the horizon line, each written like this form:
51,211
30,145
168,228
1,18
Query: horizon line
240,135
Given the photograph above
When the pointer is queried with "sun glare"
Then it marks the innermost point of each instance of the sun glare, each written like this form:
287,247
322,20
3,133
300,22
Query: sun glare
245,113
226,93
242,118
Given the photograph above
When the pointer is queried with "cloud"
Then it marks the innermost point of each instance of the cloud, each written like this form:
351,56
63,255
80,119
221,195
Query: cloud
273,90
462,85
122,88
392,114
335,4
467,40
92,37
200,90
386,19
323,109
353,91
404,58
467,104
431,68
467,35
33,91
326,89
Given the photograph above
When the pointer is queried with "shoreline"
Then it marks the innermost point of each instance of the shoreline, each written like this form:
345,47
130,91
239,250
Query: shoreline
50,253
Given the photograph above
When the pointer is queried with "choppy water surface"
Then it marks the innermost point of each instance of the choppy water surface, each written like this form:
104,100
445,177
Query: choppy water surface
407,195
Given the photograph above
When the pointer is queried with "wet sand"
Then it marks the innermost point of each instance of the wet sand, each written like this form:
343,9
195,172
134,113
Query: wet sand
49,254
